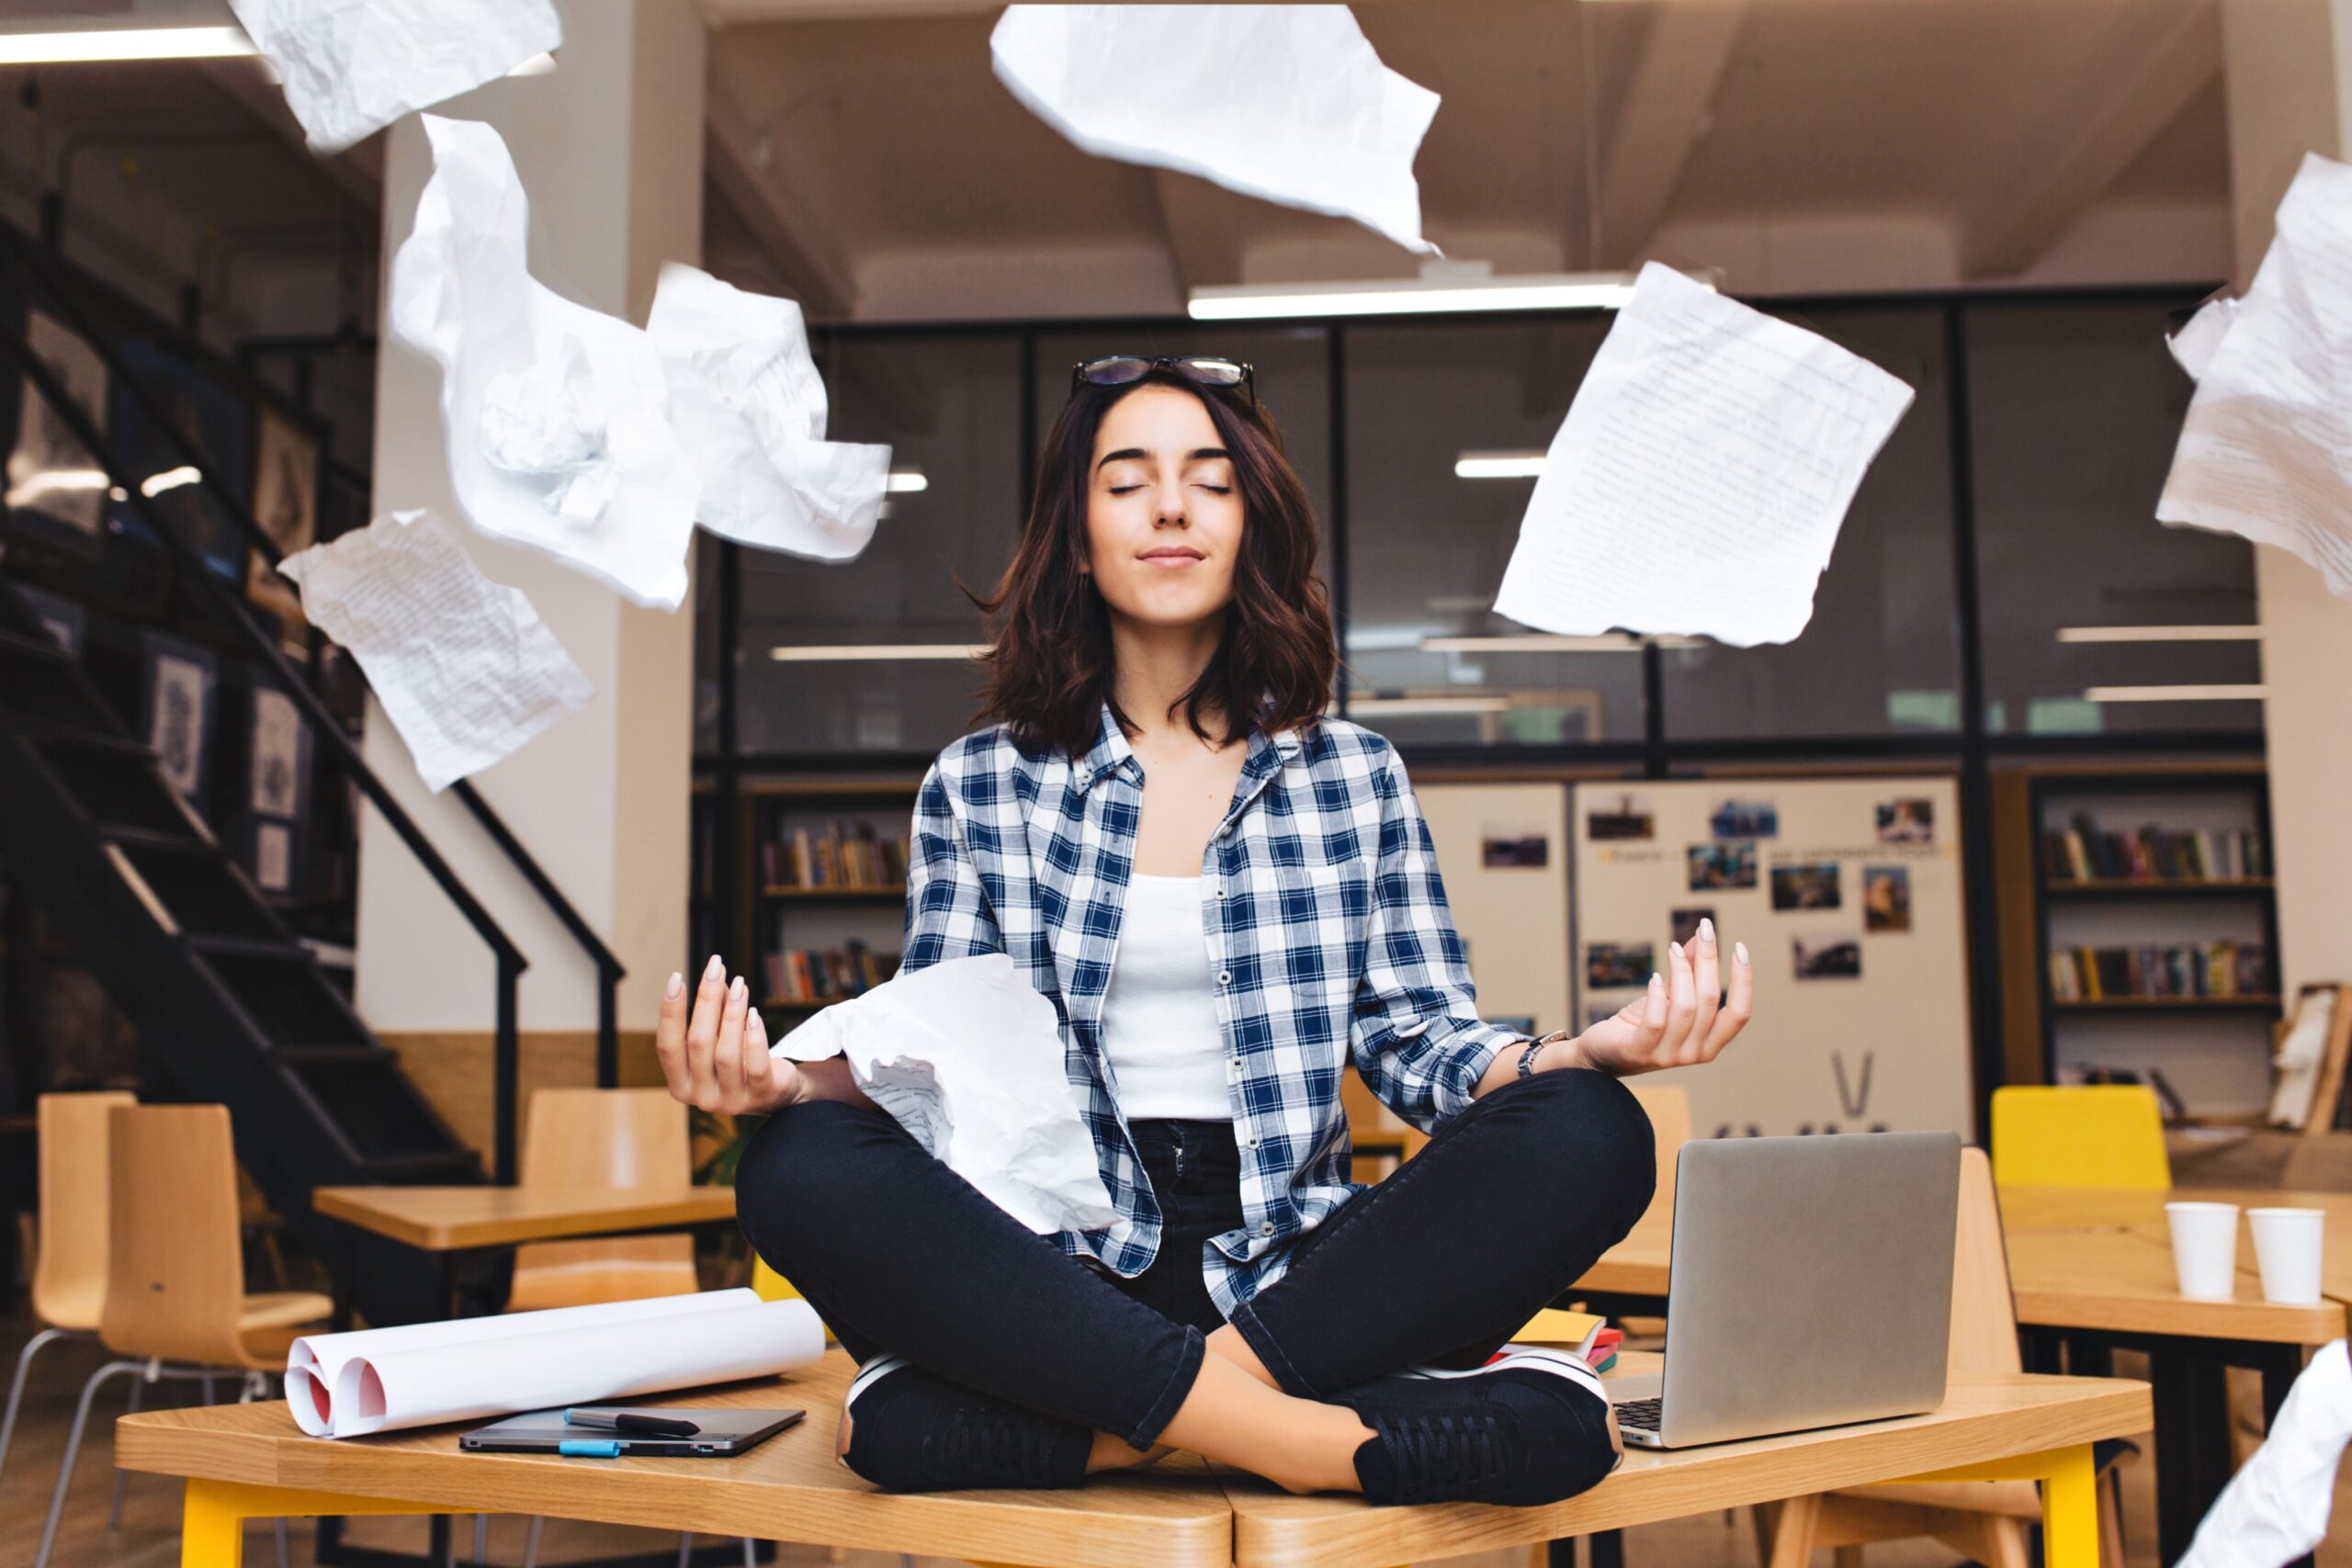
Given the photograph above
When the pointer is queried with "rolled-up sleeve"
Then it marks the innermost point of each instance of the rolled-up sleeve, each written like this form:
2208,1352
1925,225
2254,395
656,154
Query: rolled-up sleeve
1418,1041
947,909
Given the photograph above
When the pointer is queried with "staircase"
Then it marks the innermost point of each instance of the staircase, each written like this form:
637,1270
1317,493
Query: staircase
230,1006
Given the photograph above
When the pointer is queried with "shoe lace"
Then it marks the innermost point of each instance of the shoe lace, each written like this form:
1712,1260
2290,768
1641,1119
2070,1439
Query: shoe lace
1438,1454
1008,1446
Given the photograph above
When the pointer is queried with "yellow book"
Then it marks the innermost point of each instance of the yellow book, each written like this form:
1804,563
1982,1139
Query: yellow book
1557,1326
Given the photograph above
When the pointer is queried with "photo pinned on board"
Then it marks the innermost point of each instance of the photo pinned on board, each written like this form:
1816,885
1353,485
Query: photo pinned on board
1614,966
1627,818
1725,864
1737,819
1513,848
1811,884
1828,955
1886,898
1910,820
1682,925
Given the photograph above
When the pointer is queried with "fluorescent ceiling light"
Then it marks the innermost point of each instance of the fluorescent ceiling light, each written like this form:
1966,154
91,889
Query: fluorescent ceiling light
1444,293
123,43
1499,465
2252,694
45,482
834,653
1607,642
170,478
907,480
2159,634
1429,704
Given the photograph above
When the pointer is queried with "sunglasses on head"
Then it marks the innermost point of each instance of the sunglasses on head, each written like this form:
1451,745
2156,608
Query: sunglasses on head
1124,369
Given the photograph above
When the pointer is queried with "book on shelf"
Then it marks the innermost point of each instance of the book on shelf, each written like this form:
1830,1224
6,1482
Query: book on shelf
2212,970
2082,852
840,855
826,975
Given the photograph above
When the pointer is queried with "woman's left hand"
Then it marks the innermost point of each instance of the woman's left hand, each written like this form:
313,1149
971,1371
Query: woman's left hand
1685,1018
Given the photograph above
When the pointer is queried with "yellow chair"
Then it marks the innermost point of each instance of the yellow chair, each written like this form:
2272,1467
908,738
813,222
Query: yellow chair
2079,1135
769,1285
604,1138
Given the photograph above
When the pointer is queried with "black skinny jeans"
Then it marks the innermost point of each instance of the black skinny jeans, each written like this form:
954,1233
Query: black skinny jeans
1512,1201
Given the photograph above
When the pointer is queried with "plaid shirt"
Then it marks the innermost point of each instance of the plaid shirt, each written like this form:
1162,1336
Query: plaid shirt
1327,931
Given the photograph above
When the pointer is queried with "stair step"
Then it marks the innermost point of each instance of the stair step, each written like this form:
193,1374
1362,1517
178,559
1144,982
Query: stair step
48,735
461,1167
249,946
131,838
37,647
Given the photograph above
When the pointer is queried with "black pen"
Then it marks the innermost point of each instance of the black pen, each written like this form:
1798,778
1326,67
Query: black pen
630,1421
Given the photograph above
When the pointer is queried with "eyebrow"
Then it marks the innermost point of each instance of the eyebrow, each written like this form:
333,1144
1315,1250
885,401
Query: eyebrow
1136,454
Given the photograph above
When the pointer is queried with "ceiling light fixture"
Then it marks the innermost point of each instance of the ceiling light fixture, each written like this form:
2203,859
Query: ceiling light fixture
1410,705
908,479
47,481
1499,465
170,478
47,47
2252,694
1443,294
839,653
2160,634
1544,642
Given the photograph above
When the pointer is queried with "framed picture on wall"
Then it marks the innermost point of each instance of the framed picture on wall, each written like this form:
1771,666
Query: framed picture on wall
179,693
277,791
286,504
50,474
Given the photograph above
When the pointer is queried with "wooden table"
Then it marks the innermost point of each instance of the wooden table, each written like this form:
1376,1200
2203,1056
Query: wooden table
244,1462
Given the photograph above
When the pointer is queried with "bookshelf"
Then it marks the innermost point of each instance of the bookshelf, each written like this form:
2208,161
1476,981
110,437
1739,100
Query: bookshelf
2140,929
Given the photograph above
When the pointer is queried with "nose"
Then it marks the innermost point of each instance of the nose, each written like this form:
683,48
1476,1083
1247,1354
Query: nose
1168,504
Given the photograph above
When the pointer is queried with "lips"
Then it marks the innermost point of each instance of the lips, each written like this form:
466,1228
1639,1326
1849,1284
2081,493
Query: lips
1173,555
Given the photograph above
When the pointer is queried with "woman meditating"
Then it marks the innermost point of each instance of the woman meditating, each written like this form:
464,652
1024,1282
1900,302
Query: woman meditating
1227,897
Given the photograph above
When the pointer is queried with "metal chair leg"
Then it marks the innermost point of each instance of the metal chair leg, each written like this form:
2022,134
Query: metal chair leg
284,1557
481,1540
122,1476
751,1553
17,1388
686,1548
531,1542
72,1449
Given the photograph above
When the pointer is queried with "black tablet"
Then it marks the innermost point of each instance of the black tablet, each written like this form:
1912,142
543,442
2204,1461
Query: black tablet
720,1433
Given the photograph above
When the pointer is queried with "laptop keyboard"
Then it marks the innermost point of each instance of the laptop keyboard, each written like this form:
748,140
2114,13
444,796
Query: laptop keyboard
1639,1414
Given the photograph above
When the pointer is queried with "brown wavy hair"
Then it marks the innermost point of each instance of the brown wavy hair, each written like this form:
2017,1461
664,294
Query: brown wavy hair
1050,665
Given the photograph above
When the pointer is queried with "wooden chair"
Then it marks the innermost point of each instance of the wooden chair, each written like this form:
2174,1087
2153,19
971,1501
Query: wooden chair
70,1270
175,1290
2079,1135
1980,1519
607,1138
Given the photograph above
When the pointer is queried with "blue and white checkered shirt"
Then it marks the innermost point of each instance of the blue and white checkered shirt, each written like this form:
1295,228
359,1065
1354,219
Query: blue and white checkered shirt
1327,931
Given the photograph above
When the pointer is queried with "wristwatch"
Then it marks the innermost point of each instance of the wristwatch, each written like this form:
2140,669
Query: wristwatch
1528,1053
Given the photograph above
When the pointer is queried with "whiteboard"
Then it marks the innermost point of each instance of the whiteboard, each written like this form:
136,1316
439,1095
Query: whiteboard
1848,893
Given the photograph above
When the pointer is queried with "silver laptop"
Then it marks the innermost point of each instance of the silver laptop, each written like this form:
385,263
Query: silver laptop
1811,1286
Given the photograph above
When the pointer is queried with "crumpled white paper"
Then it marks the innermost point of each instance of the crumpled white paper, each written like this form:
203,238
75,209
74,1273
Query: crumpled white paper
352,67
749,409
558,415
1701,474
2266,451
466,669
1287,103
2275,1508
2192,346
969,1057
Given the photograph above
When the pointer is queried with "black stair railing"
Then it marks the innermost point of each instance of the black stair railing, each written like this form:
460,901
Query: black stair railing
59,291
509,958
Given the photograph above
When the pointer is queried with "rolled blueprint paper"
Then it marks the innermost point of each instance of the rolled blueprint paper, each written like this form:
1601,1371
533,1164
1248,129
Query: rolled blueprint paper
377,1380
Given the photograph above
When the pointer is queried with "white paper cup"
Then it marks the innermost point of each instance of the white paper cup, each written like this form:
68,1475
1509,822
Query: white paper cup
2205,1248
2286,1242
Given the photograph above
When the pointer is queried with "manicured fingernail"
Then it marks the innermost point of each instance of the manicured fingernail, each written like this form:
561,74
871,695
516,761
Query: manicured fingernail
677,983
713,970
1739,951
736,991
1656,982
1674,949
1707,931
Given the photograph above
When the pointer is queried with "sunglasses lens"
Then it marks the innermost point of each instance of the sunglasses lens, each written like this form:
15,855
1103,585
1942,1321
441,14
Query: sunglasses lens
1212,372
1114,372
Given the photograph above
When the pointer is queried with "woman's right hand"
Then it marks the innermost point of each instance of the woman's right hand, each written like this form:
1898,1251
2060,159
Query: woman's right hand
716,1057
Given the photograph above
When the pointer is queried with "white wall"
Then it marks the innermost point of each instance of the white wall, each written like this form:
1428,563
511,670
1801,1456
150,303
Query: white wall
609,148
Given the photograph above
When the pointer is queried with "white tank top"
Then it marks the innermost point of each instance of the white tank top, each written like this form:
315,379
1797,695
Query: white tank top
1160,1027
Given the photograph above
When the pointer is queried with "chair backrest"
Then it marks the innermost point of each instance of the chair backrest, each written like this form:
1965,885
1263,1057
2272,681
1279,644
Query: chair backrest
1984,1311
70,1274
175,1273
606,1138
2079,1135
1669,1109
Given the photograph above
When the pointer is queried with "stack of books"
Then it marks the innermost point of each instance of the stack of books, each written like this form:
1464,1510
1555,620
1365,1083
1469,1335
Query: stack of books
843,855
2082,854
826,975
2213,969
1589,1336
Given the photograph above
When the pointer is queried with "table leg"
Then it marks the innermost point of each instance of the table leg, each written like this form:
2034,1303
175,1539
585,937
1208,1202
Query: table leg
213,1516
2192,1442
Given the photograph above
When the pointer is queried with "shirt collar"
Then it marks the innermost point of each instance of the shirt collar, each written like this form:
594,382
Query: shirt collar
1112,755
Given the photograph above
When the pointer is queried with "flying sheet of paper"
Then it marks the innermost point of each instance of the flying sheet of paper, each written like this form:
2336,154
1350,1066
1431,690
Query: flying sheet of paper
381,1380
1288,103
2266,451
558,415
969,1057
466,669
2192,346
352,67
1701,476
750,409
2275,1508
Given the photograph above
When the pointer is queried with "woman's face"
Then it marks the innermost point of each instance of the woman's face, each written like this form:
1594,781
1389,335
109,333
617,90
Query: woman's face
1163,513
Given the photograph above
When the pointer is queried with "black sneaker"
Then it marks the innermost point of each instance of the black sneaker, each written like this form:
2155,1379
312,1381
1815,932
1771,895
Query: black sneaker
913,1430
1529,1426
